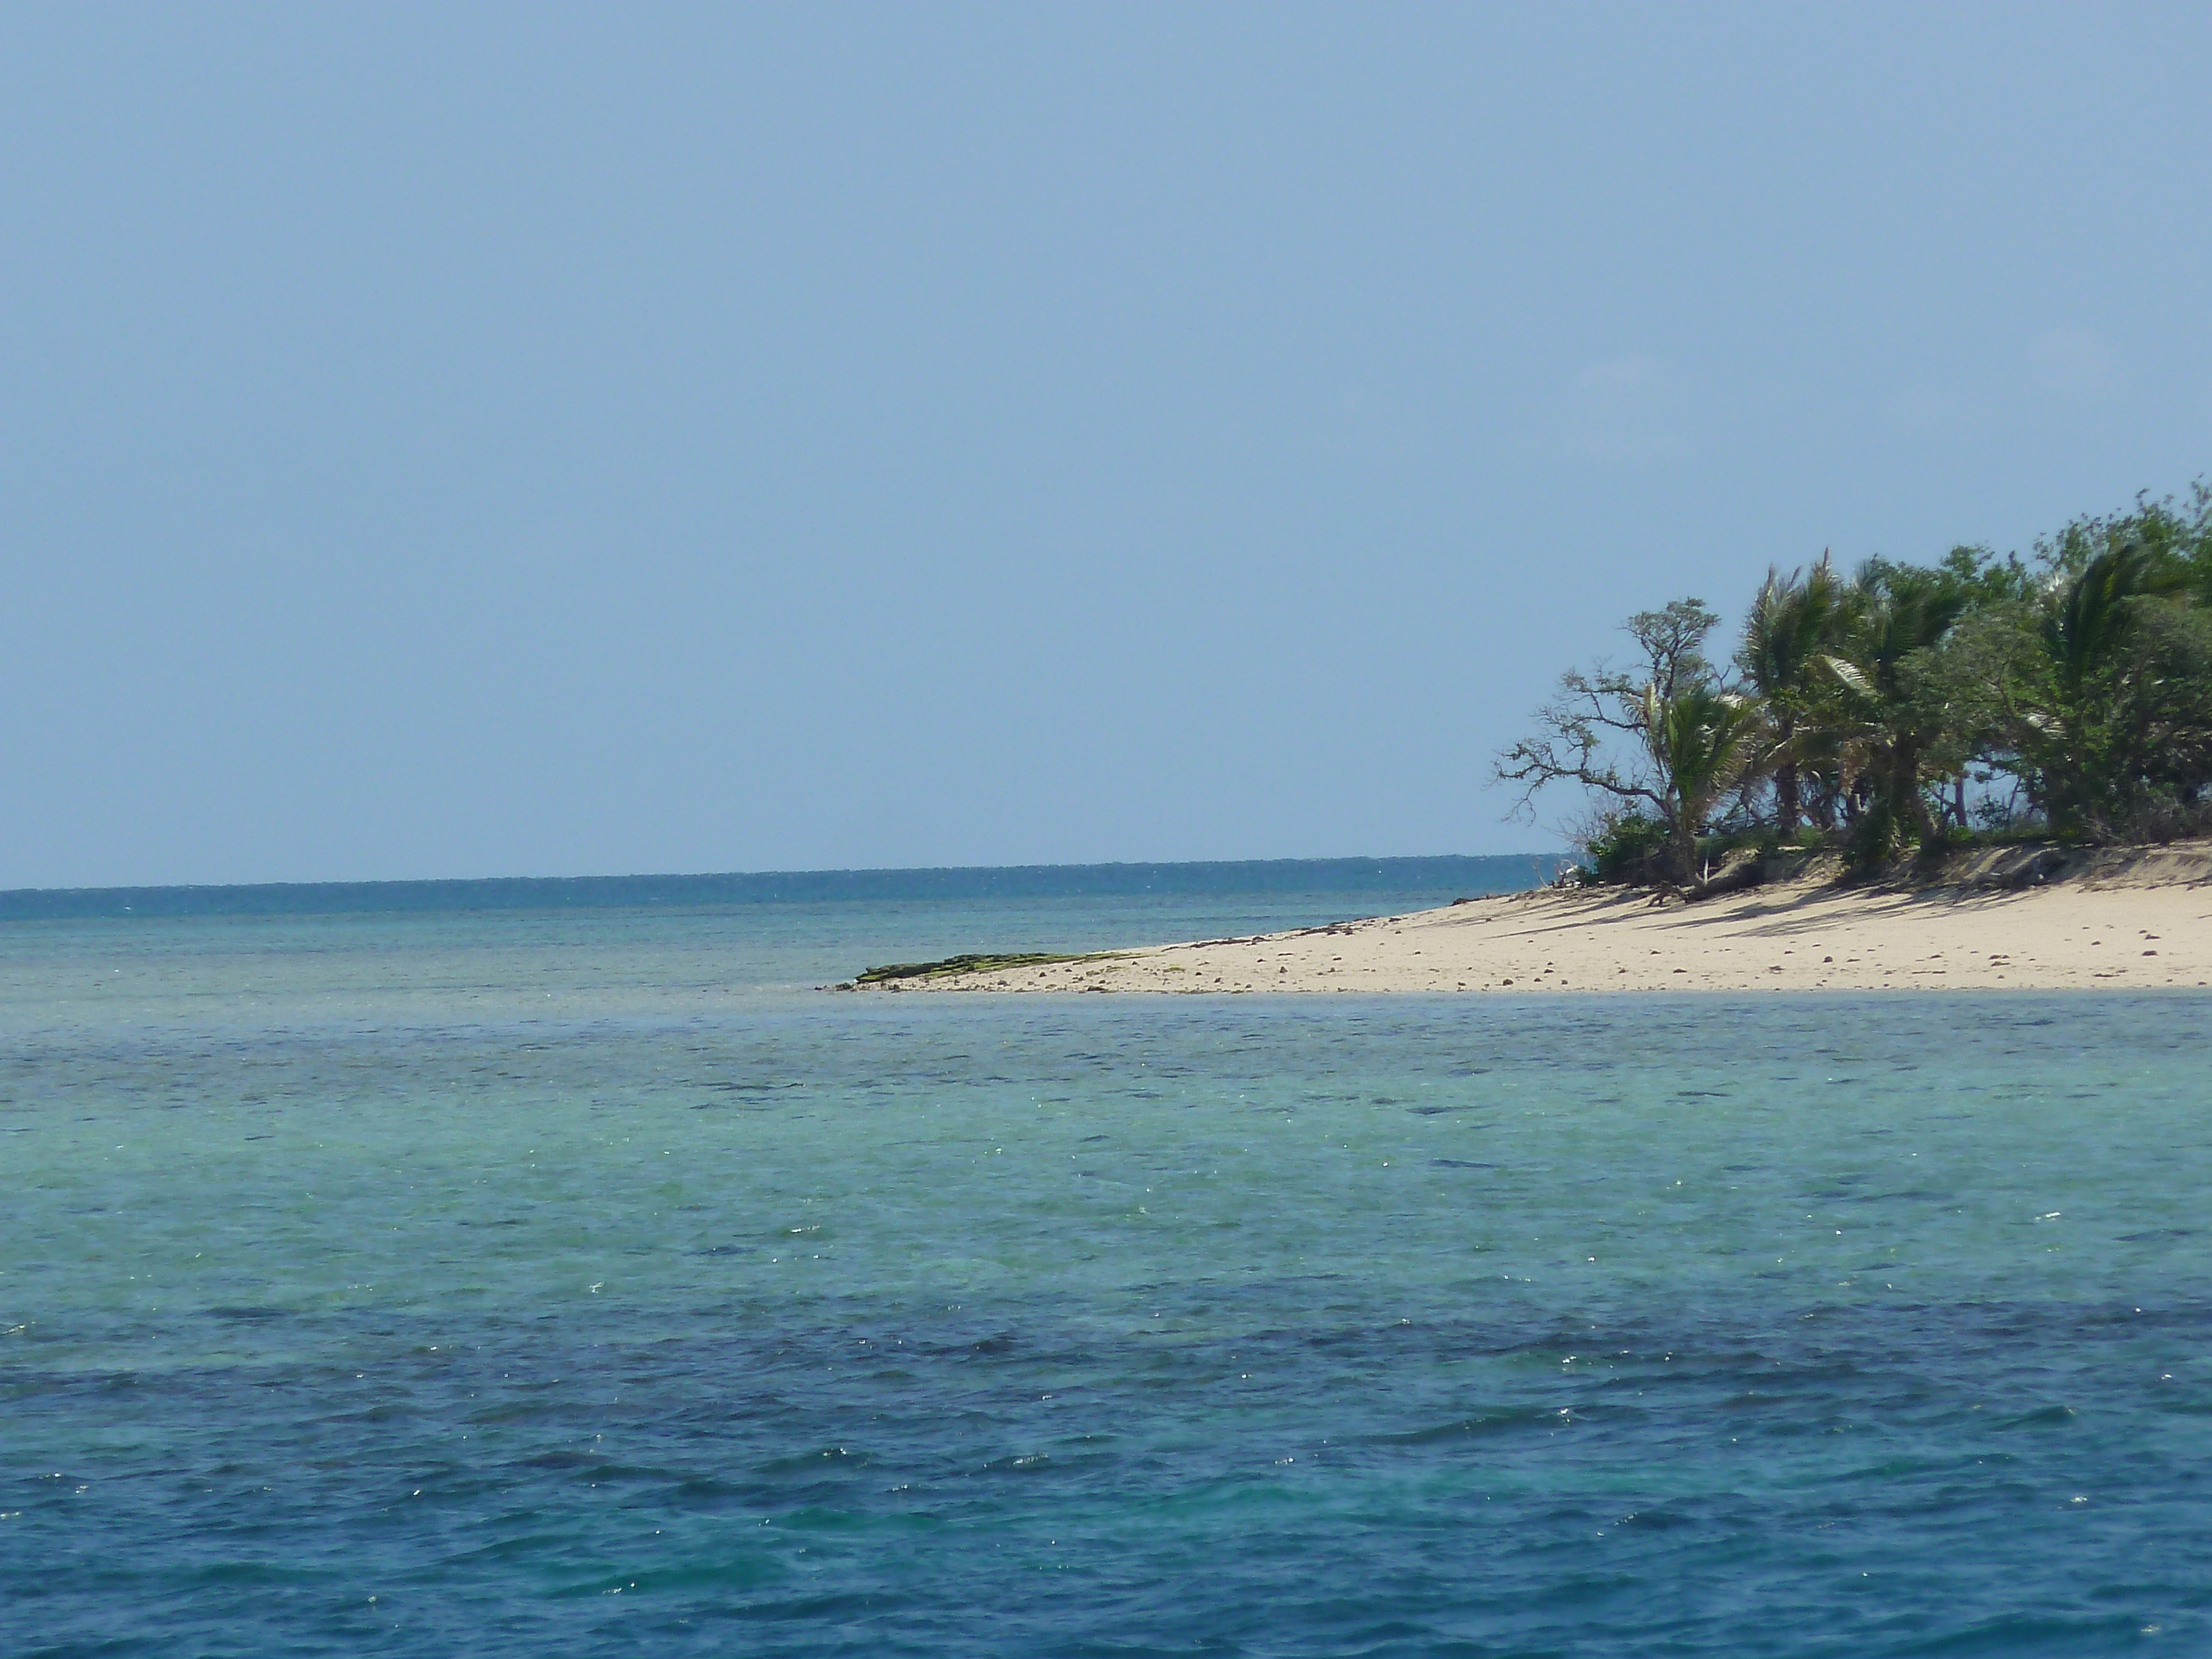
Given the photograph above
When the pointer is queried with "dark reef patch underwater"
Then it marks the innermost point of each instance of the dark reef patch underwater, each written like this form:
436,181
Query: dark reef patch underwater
501,1284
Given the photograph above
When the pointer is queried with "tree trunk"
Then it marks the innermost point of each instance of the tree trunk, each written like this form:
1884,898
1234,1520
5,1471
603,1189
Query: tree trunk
1824,811
1683,841
1905,788
1789,792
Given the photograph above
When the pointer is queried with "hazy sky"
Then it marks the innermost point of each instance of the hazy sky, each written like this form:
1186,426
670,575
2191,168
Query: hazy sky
475,441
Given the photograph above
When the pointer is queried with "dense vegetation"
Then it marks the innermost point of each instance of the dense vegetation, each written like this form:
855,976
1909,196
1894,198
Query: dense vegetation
1905,707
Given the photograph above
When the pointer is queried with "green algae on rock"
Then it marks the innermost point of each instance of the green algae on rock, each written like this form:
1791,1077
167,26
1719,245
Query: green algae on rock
947,967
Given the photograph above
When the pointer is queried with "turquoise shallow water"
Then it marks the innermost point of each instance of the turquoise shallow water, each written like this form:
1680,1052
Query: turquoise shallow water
573,1284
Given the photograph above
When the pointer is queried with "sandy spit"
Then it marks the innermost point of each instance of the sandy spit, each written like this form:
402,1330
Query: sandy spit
2139,923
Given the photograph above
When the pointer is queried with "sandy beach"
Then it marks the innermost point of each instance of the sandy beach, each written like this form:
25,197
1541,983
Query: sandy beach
2123,921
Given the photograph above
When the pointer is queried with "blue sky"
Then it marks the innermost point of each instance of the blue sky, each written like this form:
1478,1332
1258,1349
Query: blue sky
479,441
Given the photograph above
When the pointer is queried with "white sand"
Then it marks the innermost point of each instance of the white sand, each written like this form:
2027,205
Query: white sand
2143,921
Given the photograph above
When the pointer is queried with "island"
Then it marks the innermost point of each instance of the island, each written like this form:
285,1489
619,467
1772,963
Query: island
1988,772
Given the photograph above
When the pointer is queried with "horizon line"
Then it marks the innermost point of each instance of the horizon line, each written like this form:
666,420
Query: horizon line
89,890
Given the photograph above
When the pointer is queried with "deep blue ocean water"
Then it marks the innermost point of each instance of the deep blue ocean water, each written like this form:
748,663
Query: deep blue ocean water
579,1280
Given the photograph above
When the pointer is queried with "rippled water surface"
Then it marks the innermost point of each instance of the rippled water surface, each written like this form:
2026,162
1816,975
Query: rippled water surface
586,1284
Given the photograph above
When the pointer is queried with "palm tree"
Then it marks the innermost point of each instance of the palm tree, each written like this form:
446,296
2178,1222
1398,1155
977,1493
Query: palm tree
2096,740
1794,619
1703,742
1885,733
2093,618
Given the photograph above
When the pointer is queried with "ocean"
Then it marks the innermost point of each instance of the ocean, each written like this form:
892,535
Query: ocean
424,1273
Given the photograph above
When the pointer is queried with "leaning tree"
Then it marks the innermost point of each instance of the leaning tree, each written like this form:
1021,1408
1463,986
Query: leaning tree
1666,737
